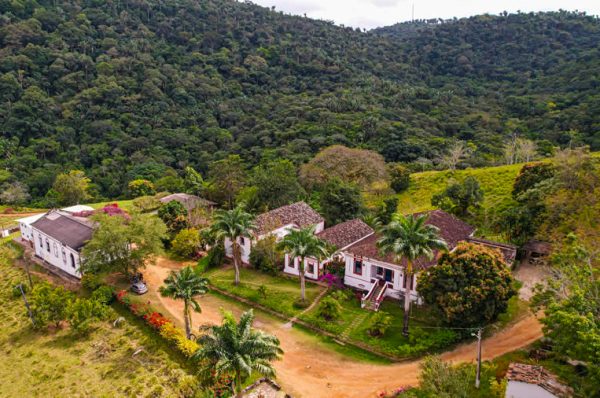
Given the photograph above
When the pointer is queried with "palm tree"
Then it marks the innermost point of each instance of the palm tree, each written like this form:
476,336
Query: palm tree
302,244
185,285
233,224
409,238
238,349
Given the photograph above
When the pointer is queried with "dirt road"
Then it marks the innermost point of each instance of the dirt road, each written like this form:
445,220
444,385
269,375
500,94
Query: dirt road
308,369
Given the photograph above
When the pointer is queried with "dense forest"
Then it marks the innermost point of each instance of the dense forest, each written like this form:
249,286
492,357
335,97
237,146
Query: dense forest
135,89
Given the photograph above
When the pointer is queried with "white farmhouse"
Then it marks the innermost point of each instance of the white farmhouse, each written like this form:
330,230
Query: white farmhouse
278,222
58,237
531,381
25,223
340,236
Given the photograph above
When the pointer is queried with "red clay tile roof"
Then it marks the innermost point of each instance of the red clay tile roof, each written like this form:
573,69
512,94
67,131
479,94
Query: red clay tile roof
346,233
452,230
299,213
509,252
539,376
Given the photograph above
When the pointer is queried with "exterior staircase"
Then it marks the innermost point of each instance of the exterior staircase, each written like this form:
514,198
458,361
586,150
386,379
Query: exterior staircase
375,296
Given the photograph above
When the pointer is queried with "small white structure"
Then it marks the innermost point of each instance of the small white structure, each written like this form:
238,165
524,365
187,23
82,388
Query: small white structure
25,223
531,381
278,222
58,236
339,236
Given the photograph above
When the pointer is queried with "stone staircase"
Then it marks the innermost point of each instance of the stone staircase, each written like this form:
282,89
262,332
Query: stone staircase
372,300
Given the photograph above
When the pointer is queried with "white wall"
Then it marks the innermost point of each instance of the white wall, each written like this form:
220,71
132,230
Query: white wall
55,256
244,249
293,267
518,389
368,273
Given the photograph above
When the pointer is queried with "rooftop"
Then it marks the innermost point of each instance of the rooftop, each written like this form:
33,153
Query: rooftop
190,201
72,231
452,230
299,214
346,233
509,252
539,376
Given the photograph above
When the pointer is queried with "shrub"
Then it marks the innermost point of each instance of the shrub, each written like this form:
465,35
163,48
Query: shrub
16,290
175,336
399,177
460,198
380,323
214,257
49,303
265,256
174,215
329,309
146,203
91,281
186,242
262,291
301,304
140,187
81,313
156,319
337,268
104,294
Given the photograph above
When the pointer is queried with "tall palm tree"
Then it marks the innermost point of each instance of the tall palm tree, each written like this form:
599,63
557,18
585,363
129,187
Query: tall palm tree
233,224
238,348
409,238
302,244
185,285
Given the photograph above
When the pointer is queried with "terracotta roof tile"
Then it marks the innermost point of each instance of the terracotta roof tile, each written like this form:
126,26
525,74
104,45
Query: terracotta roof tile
346,233
299,213
452,230
539,376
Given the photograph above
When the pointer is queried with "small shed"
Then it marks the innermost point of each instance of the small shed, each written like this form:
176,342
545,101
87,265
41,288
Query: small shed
536,251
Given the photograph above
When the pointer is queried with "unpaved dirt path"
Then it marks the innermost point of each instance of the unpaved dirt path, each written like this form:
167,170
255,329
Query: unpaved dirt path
309,369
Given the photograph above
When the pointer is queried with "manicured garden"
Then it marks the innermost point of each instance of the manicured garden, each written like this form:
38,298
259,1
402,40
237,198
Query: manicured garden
275,292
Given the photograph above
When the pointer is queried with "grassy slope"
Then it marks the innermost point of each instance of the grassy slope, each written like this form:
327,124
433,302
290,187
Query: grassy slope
57,364
496,183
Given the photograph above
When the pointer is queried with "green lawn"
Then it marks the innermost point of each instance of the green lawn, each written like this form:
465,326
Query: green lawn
126,205
281,291
59,364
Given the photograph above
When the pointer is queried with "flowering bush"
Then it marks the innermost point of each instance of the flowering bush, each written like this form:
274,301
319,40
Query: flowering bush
330,279
395,393
156,319
175,335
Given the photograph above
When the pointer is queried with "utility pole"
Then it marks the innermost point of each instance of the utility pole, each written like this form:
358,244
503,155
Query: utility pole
26,304
478,335
26,259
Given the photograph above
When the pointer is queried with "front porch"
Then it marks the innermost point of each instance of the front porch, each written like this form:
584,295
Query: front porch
378,280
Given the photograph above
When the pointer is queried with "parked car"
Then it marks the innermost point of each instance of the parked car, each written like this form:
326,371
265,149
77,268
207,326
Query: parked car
139,287
137,284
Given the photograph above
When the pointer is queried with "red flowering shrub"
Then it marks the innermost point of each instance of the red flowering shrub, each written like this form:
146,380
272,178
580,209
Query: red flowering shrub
156,319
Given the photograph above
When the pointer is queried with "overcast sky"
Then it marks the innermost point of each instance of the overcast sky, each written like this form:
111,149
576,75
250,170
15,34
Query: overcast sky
373,13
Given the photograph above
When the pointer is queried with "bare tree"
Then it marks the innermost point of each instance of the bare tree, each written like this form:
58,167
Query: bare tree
526,150
458,152
510,150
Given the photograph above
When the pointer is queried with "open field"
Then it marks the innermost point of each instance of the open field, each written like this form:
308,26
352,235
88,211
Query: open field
58,364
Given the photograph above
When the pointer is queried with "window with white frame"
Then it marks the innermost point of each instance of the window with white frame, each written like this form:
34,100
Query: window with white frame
358,265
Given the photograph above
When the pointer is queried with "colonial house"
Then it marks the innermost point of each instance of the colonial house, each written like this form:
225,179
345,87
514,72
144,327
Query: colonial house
25,223
340,236
531,381
278,222
188,201
58,237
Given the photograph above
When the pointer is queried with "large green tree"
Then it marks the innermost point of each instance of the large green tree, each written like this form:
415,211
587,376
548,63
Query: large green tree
71,188
301,244
277,183
232,225
410,239
123,245
469,286
236,348
185,285
340,201
460,198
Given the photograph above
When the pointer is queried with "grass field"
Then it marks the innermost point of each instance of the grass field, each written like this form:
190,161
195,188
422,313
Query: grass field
103,364
281,292
496,182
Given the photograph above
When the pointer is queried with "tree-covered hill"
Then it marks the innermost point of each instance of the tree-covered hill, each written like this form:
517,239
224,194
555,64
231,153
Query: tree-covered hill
132,89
